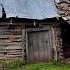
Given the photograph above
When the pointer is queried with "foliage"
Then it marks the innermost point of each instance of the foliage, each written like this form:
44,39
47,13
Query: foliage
20,65
11,64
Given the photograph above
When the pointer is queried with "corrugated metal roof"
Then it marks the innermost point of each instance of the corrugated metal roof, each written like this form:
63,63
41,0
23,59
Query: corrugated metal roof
32,9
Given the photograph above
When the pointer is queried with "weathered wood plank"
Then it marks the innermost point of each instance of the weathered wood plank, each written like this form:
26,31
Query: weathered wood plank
9,56
11,50
13,47
10,42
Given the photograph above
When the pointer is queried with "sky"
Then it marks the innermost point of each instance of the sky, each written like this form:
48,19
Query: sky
57,0
34,9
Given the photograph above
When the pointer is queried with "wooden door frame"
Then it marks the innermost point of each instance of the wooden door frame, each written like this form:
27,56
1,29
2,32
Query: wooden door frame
37,29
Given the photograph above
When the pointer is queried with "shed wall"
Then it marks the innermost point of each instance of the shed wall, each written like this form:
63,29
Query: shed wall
10,41
13,40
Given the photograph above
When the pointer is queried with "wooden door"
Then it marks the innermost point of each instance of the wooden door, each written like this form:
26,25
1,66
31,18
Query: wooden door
39,49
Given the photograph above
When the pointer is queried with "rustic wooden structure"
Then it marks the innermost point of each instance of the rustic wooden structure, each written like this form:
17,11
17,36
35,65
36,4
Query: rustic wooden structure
64,10
38,41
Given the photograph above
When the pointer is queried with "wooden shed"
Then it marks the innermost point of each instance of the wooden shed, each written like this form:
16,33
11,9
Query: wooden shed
34,41
34,34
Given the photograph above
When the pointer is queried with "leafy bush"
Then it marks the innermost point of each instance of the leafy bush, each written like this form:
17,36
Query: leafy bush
56,62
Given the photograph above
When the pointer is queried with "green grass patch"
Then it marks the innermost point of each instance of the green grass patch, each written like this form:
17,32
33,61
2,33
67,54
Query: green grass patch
48,66
11,64
19,65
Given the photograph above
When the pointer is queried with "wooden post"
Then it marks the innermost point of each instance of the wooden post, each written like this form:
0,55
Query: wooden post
54,44
26,47
23,42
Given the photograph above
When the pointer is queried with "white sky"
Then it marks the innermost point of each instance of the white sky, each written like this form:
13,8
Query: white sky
34,9
57,0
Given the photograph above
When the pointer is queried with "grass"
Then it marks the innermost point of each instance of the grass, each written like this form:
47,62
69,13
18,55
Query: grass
49,66
19,65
